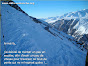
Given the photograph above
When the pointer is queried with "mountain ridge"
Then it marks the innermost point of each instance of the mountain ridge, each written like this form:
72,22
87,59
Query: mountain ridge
69,15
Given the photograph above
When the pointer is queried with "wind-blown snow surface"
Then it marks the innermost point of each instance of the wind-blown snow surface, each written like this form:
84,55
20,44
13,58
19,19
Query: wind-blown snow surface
30,36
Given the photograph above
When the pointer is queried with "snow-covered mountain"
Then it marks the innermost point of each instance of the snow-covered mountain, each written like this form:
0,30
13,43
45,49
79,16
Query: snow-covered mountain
74,23
77,14
50,19
31,34
81,25
71,15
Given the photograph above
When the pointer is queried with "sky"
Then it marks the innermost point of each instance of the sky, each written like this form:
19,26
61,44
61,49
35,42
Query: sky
44,9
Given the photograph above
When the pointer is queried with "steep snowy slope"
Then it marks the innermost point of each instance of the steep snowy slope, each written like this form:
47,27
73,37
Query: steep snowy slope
28,35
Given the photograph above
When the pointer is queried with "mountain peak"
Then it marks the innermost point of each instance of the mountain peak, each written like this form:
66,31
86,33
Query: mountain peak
71,15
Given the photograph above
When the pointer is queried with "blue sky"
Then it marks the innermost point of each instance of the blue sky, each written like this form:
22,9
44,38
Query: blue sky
44,9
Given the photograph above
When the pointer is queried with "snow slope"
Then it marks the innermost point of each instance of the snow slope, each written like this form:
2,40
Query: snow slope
30,36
